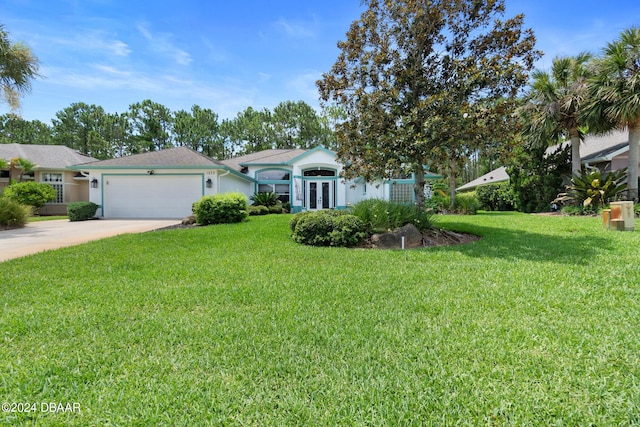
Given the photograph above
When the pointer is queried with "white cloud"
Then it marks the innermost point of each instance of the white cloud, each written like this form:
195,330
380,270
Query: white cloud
300,30
162,43
304,84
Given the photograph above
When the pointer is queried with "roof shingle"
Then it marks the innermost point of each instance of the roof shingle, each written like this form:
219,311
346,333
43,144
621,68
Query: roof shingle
44,156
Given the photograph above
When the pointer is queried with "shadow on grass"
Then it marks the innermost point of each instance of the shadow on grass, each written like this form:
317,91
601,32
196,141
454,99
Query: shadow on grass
506,243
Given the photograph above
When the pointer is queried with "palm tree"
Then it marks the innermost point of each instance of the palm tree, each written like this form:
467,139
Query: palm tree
615,96
556,99
18,65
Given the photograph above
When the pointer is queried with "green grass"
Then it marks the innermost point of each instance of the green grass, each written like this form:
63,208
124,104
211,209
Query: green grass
538,323
47,218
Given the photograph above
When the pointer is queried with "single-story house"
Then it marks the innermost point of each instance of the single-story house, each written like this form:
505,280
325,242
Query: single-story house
164,184
606,152
51,163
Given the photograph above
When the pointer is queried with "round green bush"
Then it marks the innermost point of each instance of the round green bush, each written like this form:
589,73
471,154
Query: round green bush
221,209
30,193
328,228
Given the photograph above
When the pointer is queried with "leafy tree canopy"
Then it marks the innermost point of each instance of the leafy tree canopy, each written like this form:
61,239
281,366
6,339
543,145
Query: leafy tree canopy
18,65
416,76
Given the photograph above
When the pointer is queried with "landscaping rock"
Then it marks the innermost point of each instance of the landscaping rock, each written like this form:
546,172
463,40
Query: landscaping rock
189,220
393,240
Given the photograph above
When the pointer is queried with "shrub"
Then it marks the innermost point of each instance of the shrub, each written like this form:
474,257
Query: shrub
297,217
81,211
591,188
221,209
257,210
31,193
264,199
328,228
381,215
276,209
12,213
496,197
466,203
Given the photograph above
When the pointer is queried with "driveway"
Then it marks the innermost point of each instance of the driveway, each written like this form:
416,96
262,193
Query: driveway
45,235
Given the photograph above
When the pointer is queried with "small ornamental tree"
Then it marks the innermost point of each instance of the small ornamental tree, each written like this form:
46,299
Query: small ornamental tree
30,193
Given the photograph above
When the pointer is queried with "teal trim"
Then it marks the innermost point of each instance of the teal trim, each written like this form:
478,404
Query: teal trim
273,181
309,152
145,168
256,173
103,176
296,209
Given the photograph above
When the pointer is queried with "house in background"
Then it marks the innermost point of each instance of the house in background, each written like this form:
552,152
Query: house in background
164,184
51,167
607,152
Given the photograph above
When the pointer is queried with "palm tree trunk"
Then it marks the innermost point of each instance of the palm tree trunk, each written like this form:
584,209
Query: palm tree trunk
576,164
634,157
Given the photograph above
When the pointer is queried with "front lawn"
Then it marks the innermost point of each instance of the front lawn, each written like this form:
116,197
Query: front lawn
47,218
538,323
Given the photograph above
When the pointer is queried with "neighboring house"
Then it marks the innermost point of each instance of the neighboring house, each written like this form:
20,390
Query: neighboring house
164,184
493,177
606,152
51,167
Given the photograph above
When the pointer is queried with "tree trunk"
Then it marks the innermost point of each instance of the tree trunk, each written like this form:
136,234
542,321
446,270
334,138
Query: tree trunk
452,183
418,185
576,164
634,155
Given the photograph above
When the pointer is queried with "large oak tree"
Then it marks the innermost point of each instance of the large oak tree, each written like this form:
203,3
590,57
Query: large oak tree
415,76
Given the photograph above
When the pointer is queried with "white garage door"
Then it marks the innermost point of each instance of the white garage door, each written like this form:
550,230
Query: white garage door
151,196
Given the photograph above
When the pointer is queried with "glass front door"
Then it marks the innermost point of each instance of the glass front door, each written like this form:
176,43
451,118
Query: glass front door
319,195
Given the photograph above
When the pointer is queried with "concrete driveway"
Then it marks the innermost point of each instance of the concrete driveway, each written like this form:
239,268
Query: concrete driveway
44,235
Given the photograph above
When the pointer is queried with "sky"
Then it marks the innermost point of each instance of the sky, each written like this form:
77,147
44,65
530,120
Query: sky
230,55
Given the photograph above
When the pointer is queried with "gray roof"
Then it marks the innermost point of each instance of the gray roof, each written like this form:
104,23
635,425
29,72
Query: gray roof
594,144
177,156
496,175
44,156
275,157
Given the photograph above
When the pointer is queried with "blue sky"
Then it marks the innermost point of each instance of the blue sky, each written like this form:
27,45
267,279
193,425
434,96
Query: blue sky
228,55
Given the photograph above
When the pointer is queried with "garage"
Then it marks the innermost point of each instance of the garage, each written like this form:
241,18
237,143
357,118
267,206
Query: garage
151,195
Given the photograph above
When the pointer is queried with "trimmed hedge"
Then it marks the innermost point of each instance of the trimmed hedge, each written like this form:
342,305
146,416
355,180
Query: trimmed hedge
81,211
327,228
221,209
258,210
12,213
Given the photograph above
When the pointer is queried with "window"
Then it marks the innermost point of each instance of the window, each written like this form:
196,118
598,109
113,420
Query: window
274,175
55,180
275,181
319,172
402,193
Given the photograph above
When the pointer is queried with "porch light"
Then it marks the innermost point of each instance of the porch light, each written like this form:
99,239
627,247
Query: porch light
209,183
94,183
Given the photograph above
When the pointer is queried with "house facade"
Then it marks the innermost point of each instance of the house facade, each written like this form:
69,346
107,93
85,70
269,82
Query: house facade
51,167
164,184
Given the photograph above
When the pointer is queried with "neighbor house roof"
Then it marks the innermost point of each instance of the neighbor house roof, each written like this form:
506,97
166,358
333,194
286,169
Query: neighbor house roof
592,145
44,156
265,157
170,157
593,149
495,176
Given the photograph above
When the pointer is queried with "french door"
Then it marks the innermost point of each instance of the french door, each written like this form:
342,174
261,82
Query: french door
320,195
